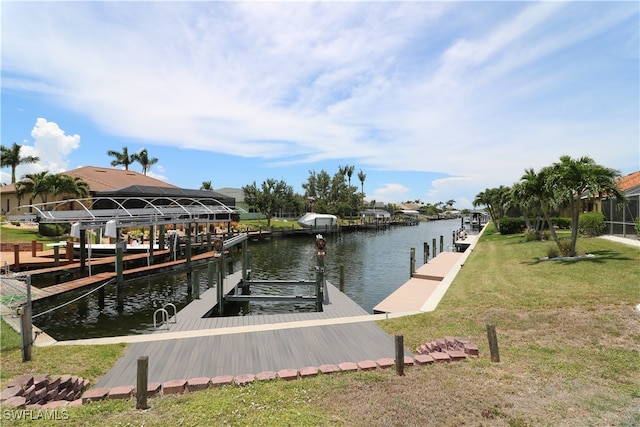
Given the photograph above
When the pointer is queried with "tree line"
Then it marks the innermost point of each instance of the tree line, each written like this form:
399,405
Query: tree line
539,194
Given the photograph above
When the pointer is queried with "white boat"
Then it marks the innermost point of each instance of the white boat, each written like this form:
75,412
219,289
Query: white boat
312,220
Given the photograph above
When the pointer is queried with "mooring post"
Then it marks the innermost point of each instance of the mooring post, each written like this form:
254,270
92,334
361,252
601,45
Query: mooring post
435,249
142,380
152,239
196,284
245,259
210,274
101,297
161,238
320,245
119,275
34,246
220,285
83,237
426,252
493,343
187,250
56,256
342,278
208,241
399,354
412,261
69,251
441,243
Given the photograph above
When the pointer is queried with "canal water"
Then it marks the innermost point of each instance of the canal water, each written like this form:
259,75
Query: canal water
375,264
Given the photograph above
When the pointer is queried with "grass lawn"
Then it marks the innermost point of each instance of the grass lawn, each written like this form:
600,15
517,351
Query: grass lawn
569,340
22,234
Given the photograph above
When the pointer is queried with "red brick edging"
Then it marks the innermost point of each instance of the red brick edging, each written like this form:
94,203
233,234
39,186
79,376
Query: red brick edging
42,391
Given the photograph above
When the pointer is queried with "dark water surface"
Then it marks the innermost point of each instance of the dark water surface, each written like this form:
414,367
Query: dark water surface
375,264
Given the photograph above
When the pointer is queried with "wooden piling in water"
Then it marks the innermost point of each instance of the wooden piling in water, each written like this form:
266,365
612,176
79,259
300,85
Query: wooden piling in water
412,262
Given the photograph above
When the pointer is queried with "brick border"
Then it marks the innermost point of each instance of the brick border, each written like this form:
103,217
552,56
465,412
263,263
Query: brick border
45,392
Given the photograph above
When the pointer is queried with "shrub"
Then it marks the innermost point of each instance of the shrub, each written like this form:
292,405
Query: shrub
531,235
15,223
561,222
565,246
511,225
546,235
553,251
50,230
591,224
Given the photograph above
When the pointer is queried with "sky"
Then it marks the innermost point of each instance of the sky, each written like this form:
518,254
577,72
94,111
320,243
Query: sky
432,101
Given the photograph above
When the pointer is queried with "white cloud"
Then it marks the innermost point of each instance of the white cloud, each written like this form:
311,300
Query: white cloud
389,193
476,90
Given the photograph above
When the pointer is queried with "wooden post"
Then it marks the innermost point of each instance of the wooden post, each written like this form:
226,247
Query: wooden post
69,251
26,333
493,343
441,244
187,250
342,278
152,240
142,380
399,354
56,256
119,275
83,257
210,274
196,284
319,280
435,248
16,257
34,246
412,261
426,252
161,238
101,297
245,259
220,286
208,241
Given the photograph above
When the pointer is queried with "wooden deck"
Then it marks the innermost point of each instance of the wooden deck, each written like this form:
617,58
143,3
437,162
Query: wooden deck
39,294
427,285
253,344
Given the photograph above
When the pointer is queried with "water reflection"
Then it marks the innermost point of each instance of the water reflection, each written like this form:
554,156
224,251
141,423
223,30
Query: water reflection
375,264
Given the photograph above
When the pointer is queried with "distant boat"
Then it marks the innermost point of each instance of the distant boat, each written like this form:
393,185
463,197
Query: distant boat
312,220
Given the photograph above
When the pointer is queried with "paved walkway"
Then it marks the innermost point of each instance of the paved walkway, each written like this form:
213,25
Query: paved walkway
632,241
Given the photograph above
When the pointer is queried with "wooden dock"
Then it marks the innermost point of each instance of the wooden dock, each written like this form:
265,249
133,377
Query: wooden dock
209,347
427,285
44,293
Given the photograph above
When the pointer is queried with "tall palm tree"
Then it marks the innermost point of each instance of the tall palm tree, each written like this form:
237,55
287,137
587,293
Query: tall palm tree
206,185
121,158
571,179
361,177
10,157
349,172
143,158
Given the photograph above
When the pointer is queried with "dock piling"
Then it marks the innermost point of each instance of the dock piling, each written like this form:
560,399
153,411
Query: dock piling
142,379
493,343
399,354
412,261
435,248
342,278
441,243
426,252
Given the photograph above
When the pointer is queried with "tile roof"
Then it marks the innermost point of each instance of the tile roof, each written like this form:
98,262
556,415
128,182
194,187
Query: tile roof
107,179
629,181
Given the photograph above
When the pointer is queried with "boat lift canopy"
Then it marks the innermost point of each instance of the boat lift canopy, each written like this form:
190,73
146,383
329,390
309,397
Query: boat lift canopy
127,212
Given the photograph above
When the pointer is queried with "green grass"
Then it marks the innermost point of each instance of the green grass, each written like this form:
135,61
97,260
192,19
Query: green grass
23,235
276,224
569,346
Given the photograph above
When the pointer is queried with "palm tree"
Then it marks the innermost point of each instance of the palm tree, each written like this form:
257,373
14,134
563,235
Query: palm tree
495,199
143,158
361,177
206,185
38,184
121,158
10,157
533,191
349,172
571,179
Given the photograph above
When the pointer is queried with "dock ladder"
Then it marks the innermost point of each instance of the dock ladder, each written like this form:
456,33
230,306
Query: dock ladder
165,316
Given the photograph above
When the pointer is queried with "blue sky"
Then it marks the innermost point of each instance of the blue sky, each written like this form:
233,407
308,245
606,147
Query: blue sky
431,100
